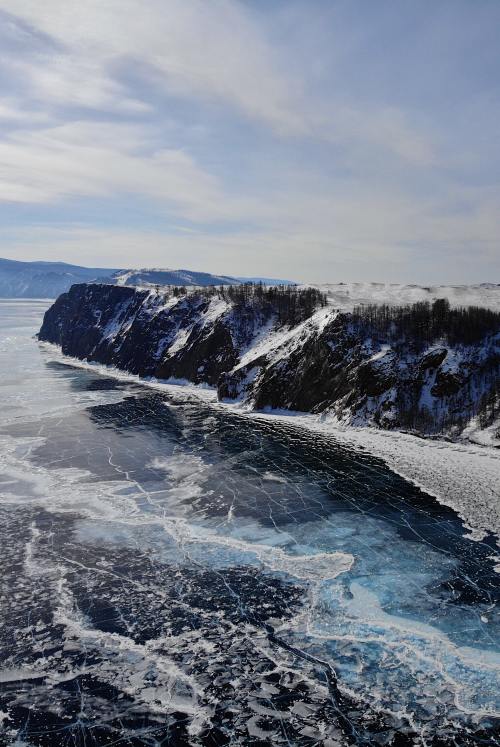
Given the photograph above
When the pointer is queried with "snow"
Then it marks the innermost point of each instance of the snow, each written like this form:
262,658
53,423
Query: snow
115,324
483,436
347,295
261,343
167,304
216,308
276,343
179,340
381,354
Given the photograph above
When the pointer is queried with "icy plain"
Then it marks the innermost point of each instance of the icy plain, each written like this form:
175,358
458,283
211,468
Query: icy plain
175,572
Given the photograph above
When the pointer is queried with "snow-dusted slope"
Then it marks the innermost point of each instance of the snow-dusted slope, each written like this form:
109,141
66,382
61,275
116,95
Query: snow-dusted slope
158,276
347,295
327,361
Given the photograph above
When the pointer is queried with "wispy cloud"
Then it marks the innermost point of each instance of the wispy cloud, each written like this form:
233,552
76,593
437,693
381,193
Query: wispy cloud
208,50
281,127
99,159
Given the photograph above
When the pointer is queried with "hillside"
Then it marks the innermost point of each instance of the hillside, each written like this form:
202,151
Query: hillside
424,368
347,295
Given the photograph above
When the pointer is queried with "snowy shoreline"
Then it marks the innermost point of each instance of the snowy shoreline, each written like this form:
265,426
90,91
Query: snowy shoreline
462,476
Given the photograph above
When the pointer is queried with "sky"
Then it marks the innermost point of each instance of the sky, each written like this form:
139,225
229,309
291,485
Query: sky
318,140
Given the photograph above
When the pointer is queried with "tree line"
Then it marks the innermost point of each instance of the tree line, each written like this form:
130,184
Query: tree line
291,303
423,322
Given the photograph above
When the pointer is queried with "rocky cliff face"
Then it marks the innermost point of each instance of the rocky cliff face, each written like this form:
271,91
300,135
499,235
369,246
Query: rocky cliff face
326,363
194,336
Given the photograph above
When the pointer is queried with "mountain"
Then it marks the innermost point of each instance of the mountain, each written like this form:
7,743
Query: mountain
49,279
147,277
425,368
42,279
157,276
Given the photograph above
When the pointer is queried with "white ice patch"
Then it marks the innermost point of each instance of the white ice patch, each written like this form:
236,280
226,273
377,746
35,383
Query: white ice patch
186,477
433,665
272,477
170,386
61,490
385,623
143,671
262,546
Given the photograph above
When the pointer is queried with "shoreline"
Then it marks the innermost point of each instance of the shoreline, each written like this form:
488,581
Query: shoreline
463,476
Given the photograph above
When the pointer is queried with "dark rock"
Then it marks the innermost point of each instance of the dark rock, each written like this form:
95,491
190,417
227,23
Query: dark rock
204,357
446,384
372,379
315,374
433,359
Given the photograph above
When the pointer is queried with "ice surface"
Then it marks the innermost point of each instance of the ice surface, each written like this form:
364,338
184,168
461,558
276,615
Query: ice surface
176,571
460,475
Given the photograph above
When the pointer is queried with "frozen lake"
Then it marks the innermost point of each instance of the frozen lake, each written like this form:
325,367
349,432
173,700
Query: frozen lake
174,574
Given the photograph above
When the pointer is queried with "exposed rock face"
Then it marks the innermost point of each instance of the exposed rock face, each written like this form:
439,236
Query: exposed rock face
446,384
190,337
433,359
325,363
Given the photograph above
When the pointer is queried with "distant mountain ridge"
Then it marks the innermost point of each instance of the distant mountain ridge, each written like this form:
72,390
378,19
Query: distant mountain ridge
50,279
42,279
158,276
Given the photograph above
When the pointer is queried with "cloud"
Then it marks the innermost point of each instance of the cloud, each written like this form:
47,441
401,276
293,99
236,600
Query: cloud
358,236
70,81
244,130
209,51
206,50
98,159
12,112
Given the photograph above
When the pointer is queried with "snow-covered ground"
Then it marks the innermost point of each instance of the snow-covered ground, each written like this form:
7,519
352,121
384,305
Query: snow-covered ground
347,295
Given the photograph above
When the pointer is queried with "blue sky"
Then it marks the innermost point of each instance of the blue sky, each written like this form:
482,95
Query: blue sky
323,141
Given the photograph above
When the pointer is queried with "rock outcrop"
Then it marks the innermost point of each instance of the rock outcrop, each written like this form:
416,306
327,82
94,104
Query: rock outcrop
325,362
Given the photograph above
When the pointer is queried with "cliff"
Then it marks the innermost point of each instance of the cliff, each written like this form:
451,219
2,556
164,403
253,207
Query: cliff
428,369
